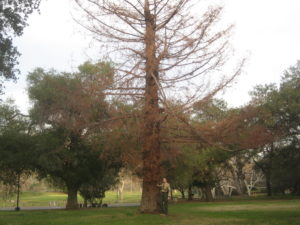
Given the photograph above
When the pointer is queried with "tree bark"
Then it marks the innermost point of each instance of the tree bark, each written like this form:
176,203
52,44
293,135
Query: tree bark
72,202
208,194
269,184
182,193
268,172
296,190
236,181
150,199
190,193
120,191
85,203
18,192
151,145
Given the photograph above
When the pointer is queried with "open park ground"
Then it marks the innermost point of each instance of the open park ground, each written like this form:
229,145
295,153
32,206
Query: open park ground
249,212
36,199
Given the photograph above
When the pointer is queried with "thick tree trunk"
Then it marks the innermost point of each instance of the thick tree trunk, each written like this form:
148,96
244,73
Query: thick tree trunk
236,181
208,194
296,190
85,203
120,191
150,199
182,193
72,202
18,192
190,193
268,172
269,184
151,145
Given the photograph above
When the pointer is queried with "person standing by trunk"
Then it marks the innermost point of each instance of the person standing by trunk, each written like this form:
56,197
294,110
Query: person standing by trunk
164,192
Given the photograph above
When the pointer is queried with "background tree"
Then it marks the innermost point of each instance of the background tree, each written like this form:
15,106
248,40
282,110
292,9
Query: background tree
195,162
157,44
223,140
71,114
94,190
77,165
262,96
281,105
289,114
16,148
13,17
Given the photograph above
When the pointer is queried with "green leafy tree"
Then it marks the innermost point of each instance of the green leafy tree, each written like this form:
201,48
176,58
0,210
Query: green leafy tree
74,162
94,190
280,114
286,169
13,17
71,110
16,147
195,163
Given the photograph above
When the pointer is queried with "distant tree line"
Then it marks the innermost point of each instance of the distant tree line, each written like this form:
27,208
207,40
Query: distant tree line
81,139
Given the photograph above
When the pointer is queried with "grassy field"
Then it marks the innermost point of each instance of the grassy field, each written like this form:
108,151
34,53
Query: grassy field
29,199
257,212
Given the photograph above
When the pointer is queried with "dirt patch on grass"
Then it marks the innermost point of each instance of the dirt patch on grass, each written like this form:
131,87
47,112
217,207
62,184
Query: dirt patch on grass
208,221
252,207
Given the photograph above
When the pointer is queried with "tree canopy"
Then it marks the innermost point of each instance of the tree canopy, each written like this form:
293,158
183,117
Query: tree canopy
68,108
13,17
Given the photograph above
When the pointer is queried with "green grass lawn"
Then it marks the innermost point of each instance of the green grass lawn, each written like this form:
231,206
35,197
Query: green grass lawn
29,199
261,212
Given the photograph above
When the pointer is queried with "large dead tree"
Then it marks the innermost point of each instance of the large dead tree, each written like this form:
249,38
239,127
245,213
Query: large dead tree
162,51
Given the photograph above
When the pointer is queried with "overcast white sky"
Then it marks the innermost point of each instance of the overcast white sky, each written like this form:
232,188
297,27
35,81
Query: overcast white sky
266,30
